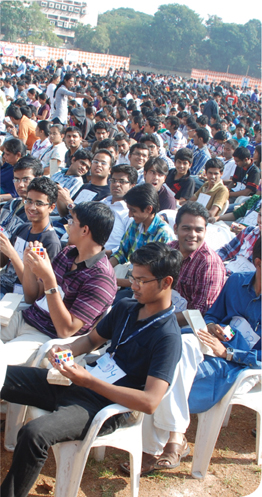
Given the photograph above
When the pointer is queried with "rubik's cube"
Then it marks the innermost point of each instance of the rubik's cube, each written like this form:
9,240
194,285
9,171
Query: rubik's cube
64,356
39,251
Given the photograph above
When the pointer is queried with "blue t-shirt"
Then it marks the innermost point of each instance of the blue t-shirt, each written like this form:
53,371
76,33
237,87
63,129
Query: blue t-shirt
7,176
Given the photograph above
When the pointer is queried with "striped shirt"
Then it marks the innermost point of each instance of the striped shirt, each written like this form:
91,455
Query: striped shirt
242,244
88,291
201,277
200,157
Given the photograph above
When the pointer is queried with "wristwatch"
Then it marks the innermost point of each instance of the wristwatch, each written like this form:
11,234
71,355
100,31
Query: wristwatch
70,206
51,290
230,353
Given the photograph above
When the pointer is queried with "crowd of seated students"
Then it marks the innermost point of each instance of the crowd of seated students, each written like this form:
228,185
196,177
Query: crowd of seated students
87,181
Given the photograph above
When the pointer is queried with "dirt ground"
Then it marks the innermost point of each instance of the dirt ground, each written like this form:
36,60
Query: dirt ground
232,473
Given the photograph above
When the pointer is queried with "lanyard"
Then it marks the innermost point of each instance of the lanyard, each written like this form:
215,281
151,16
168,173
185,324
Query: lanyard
168,313
39,234
247,173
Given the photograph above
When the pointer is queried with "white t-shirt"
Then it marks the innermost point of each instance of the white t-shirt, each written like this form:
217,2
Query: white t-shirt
57,152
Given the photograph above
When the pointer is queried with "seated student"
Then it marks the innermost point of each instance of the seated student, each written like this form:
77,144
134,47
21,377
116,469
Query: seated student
138,155
57,149
241,298
155,173
44,110
26,129
213,194
101,133
173,137
256,140
242,245
96,189
153,144
39,203
240,135
13,213
245,215
137,127
68,296
123,177
201,153
111,145
179,179
147,226
14,149
147,364
191,129
42,131
73,141
216,149
246,177
72,178
123,142
228,160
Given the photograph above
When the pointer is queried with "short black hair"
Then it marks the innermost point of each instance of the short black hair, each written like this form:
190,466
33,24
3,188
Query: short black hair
44,185
14,112
83,154
73,129
27,110
158,164
29,162
108,142
215,162
98,217
232,143
139,146
203,133
220,135
202,119
130,171
153,123
122,136
150,138
101,125
107,152
60,128
44,126
142,196
161,259
194,209
14,146
185,154
242,153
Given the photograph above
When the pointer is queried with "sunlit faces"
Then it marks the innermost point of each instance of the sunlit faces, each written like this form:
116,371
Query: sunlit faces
79,167
10,157
73,139
190,132
240,132
21,181
155,178
55,137
228,151
191,233
153,149
138,158
123,147
119,185
182,166
150,289
37,207
213,176
101,166
147,128
138,215
101,134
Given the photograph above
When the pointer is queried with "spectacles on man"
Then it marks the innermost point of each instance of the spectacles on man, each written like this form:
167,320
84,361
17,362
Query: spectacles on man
120,181
102,162
140,283
22,180
37,203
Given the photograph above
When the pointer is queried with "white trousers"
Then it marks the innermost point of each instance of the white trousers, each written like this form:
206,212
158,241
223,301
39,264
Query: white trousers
173,414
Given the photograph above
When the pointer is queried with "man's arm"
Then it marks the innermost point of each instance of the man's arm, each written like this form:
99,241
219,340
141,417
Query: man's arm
81,345
240,193
9,253
63,200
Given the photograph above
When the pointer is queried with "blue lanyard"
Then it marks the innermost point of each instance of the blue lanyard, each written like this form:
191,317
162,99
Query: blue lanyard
168,313
39,234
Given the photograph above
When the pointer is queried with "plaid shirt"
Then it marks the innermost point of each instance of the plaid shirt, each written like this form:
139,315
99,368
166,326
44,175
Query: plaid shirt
89,290
242,244
201,278
135,237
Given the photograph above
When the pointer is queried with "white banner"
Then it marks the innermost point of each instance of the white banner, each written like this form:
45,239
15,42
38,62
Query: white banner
41,52
72,55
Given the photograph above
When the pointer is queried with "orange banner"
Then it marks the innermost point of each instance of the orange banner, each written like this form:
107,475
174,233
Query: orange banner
234,79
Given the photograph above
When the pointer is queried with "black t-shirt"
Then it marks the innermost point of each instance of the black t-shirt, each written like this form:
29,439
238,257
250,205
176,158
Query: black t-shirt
183,187
101,191
155,351
50,242
166,199
249,177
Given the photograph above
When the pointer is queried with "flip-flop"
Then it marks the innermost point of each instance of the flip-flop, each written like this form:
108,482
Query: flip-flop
172,454
148,465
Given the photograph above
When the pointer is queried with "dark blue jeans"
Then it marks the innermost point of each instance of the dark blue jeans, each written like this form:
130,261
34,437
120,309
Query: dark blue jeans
73,410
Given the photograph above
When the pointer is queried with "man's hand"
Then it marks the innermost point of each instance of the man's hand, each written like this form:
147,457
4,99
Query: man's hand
53,351
77,374
213,219
216,330
214,343
64,195
5,246
41,267
237,228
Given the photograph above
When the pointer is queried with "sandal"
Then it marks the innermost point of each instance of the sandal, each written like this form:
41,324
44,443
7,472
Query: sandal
147,467
172,454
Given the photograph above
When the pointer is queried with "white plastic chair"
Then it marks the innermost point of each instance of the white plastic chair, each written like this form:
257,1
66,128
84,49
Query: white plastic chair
211,421
71,457
224,208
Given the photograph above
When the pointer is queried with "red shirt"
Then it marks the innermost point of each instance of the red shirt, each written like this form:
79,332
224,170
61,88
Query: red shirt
202,277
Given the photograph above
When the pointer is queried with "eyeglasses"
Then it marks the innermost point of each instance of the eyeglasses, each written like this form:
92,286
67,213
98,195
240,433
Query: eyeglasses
71,221
37,203
23,180
102,162
120,181
141,283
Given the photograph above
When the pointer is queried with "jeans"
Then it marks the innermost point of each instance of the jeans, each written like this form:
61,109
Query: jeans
74,409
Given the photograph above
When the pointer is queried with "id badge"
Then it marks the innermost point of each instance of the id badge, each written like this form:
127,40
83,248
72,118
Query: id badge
18,289
106,369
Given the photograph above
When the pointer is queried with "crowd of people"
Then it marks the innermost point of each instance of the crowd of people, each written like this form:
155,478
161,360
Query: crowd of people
144,192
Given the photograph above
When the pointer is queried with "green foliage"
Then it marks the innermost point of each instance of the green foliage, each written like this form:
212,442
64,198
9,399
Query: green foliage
21,23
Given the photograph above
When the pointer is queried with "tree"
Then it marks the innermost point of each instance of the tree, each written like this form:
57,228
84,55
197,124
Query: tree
26,23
